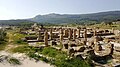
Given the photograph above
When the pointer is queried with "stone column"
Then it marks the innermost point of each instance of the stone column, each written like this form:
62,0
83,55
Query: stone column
95,39
39,35
66,32
51,34
61,35
112,30
46,38
104,31
74,34
85,35
70,33
111,49
78,32
95,33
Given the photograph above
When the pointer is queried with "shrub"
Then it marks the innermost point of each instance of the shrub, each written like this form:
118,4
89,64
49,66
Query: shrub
14,61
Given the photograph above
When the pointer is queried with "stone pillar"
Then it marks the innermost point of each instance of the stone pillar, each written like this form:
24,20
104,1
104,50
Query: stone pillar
70,33
112,30
39,35
104,31
46,38
85,35
95,40
51,34
111,49
61,36
78,32
95,33
74,34
66,32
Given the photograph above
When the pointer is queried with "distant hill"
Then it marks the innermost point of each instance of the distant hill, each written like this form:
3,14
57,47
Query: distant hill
15,22
78,18
53,18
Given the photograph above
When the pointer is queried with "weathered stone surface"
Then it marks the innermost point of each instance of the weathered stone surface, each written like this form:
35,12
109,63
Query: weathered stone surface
98,47
81,49
72,44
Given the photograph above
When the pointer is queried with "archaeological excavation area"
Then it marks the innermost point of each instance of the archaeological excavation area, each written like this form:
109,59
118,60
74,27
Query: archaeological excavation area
100,45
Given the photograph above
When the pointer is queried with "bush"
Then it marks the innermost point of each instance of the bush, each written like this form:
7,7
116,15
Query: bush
2,45
14,61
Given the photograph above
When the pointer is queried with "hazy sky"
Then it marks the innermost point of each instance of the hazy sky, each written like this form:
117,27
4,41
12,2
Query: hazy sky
18,9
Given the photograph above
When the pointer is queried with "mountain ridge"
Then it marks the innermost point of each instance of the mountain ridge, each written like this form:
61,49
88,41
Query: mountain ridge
55,18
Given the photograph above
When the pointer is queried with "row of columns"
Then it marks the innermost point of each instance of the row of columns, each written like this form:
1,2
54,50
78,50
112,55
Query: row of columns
67,32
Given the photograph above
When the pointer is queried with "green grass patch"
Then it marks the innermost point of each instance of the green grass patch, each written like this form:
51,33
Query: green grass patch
25,49
21,49
115,26
55,57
